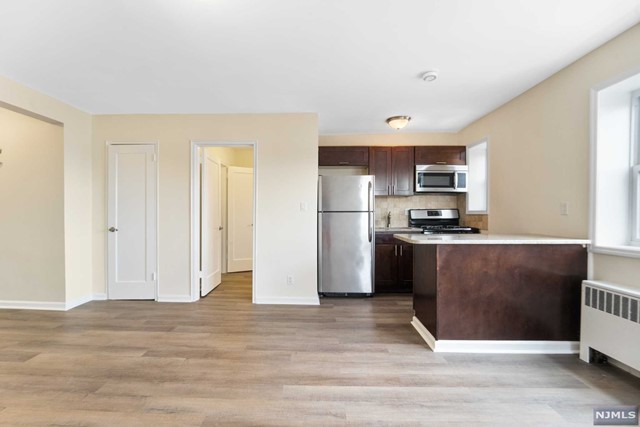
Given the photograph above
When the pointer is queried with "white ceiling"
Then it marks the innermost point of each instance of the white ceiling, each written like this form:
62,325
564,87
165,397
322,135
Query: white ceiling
355,62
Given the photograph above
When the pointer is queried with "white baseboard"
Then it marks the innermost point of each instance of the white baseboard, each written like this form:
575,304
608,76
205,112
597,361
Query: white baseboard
495,346
174,298
100,297
424,333
78,301
33,305
288,300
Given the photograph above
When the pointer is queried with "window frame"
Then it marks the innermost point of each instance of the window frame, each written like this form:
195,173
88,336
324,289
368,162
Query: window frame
628,81
634,175
485,141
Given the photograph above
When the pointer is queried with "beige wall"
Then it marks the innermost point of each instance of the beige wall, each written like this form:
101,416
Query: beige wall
539,153
391,139
285,236
32,212
77,182
241,157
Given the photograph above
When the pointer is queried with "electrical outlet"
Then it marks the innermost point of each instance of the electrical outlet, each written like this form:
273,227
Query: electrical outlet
289,280
564,208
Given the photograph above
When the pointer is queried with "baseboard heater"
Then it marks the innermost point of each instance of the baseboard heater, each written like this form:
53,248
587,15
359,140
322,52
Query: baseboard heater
610,322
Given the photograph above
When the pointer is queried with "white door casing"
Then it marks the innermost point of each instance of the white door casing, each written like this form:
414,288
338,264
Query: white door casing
240,219
211,224
132,221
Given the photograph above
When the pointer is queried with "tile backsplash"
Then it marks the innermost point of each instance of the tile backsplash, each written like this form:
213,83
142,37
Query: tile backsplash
399,216
398,207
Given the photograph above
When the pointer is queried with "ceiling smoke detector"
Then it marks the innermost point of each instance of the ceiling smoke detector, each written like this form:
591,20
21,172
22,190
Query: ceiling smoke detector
429,76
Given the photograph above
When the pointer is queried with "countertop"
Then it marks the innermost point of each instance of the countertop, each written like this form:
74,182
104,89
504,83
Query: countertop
398,230
487,239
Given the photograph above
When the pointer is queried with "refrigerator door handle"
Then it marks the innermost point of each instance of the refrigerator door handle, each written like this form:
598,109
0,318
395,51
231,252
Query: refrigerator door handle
320,253
320,194
369,197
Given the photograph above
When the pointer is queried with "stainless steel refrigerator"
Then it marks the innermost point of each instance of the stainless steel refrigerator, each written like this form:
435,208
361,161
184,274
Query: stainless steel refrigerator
345,235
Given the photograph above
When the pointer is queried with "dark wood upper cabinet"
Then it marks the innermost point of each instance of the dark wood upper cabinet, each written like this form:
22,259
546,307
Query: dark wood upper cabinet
343,156
403,171
441,155
393,168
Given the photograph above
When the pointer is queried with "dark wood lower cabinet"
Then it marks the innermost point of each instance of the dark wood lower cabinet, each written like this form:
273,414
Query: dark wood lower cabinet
499,292
394,265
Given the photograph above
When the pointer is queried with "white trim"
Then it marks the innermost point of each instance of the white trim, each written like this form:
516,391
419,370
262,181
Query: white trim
623,251
156,145
288,300
593,169
487,177
33,305
495,346
100,297
78,302
174,298
424,333
194,214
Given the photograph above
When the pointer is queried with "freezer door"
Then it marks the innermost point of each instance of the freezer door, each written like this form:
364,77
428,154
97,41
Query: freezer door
345,193
345,252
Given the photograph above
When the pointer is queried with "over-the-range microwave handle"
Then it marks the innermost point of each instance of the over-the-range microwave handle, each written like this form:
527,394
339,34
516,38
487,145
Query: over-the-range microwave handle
455,180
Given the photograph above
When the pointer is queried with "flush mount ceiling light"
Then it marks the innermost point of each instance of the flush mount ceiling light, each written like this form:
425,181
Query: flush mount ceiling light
398,122
429,76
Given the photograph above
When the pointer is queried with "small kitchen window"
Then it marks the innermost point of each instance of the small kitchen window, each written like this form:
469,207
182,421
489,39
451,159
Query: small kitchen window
478,177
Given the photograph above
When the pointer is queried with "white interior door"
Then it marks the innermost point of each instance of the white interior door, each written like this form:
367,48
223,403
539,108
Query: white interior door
132,257
224,186
240,219
211,225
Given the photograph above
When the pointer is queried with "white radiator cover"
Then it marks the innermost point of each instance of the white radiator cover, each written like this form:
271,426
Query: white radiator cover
610,322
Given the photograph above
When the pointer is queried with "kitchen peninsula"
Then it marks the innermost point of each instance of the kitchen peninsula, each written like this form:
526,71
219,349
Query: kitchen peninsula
497,293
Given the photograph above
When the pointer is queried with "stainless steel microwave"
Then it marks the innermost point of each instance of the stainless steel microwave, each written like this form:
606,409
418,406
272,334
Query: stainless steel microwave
441,178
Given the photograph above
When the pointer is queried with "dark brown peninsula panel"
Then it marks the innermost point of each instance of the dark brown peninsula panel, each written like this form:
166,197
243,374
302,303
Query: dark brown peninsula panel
499,291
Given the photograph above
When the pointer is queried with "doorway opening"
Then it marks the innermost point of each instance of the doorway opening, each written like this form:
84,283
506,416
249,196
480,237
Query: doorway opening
223,206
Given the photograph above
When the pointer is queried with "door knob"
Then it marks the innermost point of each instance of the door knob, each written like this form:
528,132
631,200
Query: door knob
219,228
113,229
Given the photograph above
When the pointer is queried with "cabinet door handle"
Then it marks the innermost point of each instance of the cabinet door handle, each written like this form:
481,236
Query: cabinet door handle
389,190
400,250
441,163
343,163
395,249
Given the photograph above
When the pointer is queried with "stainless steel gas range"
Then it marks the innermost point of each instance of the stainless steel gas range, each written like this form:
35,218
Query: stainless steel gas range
439,221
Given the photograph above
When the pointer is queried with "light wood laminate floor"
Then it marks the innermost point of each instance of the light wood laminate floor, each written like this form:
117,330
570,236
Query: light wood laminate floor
223,361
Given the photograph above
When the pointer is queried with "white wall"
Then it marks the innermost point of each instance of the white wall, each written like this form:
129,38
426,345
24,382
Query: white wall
77,181
31,209
286,237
